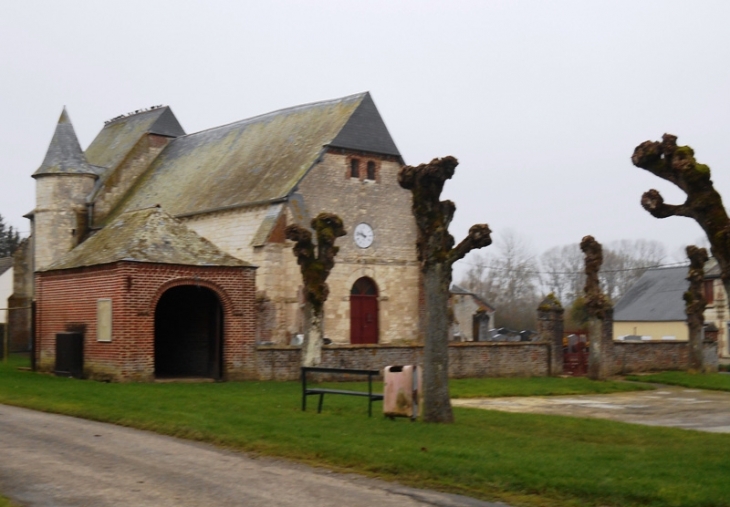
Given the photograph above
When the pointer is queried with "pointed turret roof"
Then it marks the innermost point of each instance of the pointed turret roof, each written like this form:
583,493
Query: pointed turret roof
64,155
147,235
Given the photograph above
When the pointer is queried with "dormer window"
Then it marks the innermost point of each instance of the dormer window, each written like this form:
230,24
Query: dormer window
354,168
371,170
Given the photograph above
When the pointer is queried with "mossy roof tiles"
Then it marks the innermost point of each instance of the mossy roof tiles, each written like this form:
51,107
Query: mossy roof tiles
147,235
119,136
257,160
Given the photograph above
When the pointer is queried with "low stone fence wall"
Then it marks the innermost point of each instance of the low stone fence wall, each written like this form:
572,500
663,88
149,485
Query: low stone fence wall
472,359
636,357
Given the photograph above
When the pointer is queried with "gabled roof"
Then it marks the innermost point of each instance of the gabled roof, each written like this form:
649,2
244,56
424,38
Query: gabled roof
64,155
455,289
258,160
655,297
118,136
147,235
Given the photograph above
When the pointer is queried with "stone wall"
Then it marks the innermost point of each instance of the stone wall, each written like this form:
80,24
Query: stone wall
67,301
124,176
637,357
466,360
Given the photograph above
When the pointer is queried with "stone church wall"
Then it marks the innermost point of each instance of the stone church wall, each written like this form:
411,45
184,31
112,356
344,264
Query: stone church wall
391,259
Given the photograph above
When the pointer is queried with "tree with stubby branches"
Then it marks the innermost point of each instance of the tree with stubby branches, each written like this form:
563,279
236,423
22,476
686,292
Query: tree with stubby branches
678,165
437,254
315,263
596,307
695,304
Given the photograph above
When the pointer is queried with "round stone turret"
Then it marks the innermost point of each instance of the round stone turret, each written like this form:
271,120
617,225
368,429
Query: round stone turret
63,182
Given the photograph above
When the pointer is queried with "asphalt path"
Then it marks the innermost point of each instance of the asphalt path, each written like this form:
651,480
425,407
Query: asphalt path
60,461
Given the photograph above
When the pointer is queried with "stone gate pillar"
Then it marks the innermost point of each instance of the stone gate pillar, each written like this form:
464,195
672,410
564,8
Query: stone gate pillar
550,329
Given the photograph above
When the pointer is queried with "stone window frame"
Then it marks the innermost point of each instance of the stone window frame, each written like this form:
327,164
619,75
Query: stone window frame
365,165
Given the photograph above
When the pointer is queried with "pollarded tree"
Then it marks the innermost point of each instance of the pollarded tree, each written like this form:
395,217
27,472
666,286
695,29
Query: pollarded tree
596,306
437,254
677,164
695,304
315,263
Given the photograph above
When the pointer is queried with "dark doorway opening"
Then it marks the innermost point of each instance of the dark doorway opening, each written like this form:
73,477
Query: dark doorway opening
188,333
364,312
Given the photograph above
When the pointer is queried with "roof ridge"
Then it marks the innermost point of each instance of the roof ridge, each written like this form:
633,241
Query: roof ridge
279,111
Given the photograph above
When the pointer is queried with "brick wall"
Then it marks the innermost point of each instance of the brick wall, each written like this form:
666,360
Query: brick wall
636,357
67,300
479,359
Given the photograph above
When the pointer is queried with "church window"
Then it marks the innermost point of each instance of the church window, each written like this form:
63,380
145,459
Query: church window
354,168
371,170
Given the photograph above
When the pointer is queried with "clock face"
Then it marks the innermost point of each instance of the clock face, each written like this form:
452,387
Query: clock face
363,235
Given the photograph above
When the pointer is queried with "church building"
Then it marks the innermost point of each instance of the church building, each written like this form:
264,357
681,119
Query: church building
165,251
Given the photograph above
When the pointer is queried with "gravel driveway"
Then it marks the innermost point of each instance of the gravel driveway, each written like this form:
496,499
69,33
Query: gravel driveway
677,407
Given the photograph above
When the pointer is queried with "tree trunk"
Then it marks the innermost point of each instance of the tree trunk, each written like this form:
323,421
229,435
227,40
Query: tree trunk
313,337
595,349
436,401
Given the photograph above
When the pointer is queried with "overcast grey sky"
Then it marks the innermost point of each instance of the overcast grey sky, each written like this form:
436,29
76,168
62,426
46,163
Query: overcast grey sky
542,102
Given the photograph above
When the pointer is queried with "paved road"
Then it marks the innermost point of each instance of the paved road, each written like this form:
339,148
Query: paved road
59,461
677,407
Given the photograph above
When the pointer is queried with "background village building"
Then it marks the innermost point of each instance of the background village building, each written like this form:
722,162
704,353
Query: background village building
238,186
6,289
653,309
472,316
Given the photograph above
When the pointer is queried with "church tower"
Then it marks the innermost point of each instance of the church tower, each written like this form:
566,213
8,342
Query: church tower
63,182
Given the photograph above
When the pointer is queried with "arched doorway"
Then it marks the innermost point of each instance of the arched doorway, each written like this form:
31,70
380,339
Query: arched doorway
364,311
188,333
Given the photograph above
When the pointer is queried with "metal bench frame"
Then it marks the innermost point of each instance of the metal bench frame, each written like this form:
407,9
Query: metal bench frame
340,371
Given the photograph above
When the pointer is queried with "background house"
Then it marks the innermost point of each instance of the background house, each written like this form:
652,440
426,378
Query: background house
653,308
472,316
6,289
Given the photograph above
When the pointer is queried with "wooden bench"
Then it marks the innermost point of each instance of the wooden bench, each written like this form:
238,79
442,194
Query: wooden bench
309,391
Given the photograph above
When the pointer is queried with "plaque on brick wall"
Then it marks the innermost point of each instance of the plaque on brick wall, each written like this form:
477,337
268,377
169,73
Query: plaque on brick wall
104,320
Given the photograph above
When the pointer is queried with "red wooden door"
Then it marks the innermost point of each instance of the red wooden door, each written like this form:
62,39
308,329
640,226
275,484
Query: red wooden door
364,312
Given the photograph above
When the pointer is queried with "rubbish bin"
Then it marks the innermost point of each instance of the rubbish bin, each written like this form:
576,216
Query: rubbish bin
402,391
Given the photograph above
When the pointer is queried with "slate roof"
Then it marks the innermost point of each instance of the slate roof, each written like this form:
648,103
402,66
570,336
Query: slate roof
118,137
5,264
64,155
258,160
147,235
655,297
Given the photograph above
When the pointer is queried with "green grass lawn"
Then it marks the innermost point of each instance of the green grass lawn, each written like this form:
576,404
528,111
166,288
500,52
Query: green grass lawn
714,381
522,459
